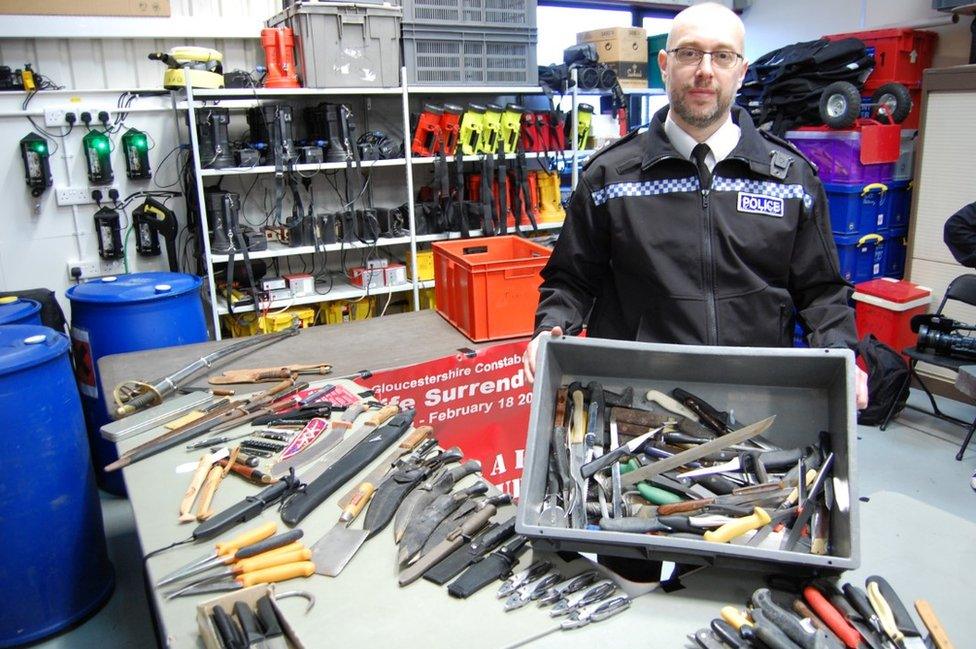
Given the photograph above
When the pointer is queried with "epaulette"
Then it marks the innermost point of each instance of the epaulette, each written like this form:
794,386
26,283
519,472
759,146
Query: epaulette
627,138
789,146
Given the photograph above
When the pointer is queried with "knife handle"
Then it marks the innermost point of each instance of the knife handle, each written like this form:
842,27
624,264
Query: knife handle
729,531
932,623
382,415
227,630
273,559
268,544
419,434
278,573
903,619
268,617
770,634
859,600
250,624
832,617
683,507
589,469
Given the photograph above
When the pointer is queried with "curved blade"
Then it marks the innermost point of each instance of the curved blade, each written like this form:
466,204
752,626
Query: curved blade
420,498
422,526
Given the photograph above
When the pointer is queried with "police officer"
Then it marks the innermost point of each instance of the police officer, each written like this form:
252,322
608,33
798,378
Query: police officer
700,229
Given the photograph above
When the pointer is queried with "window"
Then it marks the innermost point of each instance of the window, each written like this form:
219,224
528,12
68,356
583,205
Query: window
656,26
558,27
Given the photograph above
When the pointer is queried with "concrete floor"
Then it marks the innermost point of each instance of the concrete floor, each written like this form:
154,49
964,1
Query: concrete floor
914,457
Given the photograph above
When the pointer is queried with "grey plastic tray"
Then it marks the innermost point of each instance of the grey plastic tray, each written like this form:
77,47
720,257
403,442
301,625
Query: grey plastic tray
808,390
475,56
470,13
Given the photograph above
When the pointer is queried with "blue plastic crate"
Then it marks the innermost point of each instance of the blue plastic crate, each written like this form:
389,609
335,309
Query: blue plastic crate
899,204
861,256
895,251
857,209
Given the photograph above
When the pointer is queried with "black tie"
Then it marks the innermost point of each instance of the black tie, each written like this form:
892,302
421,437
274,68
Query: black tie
698,154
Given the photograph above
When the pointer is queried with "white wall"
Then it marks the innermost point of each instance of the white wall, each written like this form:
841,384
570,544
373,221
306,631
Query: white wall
37,237
773,23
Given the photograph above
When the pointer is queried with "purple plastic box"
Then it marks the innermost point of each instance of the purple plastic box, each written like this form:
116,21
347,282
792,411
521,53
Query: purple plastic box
837,155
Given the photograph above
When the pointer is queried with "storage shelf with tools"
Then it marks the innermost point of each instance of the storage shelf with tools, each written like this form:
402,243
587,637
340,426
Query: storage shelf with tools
340,291
393,110
300,168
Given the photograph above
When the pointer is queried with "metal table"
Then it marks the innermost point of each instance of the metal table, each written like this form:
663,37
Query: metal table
365,607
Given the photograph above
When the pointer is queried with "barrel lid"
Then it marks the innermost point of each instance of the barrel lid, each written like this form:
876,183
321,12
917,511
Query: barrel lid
14,308
24,346
135,287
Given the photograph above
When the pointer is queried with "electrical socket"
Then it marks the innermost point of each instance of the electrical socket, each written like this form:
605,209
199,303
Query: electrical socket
54,116
91,268
82,195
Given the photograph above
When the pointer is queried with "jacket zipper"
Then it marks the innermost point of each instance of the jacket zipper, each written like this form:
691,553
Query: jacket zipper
711,319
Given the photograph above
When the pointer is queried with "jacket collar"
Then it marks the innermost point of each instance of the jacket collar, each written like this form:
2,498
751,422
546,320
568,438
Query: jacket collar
752,147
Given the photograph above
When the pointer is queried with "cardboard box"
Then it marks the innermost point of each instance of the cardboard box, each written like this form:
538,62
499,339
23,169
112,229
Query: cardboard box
366,277
808,390
630,73
250,596
617,44
155,8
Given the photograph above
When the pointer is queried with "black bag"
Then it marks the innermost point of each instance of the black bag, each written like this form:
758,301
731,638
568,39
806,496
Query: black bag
887,381
784,86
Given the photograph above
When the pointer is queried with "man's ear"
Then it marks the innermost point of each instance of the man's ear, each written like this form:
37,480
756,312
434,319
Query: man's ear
742,77
662,63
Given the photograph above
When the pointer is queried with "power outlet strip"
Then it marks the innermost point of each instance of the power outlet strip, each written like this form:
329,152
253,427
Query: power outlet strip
91,268
81,195
55,115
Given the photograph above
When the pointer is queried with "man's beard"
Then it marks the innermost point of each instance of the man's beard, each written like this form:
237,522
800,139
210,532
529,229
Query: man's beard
698,120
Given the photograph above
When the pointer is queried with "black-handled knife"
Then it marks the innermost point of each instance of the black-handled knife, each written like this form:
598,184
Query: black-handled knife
622,452
273,635
249,622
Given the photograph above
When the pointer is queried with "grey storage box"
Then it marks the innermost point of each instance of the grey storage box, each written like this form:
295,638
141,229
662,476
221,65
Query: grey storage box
461,55
808,390
470,13
344,45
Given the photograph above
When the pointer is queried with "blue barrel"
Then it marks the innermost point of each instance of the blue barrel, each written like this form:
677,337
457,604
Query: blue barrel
54,568
19,310
115,315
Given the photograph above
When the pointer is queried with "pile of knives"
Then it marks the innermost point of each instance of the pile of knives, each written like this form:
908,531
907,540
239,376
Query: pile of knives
260,627
821,614
675,465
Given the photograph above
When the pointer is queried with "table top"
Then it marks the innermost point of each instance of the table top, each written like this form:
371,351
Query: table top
364,605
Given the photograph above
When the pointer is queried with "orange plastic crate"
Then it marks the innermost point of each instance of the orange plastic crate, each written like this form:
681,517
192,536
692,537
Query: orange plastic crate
489,288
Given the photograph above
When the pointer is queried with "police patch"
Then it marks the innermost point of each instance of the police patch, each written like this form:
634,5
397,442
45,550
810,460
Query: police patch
760,204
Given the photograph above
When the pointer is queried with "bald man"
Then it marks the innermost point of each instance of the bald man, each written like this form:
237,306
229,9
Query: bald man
699,229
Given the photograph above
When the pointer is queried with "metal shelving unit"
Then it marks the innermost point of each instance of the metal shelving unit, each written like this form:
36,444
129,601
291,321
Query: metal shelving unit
241,98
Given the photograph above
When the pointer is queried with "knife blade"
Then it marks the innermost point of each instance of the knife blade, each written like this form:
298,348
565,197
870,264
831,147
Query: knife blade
692,454
464,556
461,535
424,494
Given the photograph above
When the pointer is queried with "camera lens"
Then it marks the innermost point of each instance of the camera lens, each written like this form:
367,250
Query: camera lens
607,78
589,78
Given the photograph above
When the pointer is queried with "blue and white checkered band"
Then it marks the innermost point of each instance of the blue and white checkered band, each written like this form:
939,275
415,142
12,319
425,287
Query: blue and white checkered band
776,190
649,188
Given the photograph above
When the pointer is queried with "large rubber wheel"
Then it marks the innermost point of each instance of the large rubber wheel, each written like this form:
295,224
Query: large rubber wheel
840,105
891,101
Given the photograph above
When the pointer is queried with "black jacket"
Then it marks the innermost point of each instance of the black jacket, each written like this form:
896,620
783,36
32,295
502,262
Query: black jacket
646,255
959,235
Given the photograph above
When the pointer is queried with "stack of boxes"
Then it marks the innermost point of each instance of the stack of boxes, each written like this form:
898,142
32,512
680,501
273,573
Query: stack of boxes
470,42
622,49
867,171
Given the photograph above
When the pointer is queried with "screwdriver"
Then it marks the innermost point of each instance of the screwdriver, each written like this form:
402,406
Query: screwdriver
230,547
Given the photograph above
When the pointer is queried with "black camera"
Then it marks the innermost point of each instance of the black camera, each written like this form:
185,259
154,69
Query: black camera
940,335
590,73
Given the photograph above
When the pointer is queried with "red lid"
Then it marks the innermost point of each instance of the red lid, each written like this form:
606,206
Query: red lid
893,290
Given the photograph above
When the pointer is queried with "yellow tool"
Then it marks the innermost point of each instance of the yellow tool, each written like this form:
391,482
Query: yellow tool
584,118
471,124
511,126
738,527
491,127
202,67
550,203
887,618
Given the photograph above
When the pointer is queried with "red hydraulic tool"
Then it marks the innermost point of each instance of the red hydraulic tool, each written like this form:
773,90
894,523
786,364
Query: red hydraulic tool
450,128
427,135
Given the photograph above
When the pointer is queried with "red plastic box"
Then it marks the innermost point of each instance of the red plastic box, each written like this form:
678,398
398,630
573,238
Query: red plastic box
489,288
900,55
884,307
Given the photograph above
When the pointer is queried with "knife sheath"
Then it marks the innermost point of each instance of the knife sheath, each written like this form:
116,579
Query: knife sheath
389,497
471,552
493,567
354,461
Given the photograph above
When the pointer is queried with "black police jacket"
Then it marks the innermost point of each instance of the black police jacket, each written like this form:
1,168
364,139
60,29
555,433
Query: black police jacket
646,254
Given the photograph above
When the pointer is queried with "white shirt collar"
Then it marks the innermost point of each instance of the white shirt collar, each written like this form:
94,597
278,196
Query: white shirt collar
720,143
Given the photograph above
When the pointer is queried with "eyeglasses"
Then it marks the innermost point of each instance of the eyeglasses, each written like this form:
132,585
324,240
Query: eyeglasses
726,59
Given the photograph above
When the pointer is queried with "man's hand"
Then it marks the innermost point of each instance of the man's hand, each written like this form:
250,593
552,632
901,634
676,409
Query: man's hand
860,387
528,360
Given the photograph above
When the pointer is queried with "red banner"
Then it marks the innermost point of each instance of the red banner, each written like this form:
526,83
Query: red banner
479,403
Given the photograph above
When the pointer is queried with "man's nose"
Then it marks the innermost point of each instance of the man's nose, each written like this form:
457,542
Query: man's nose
705,65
